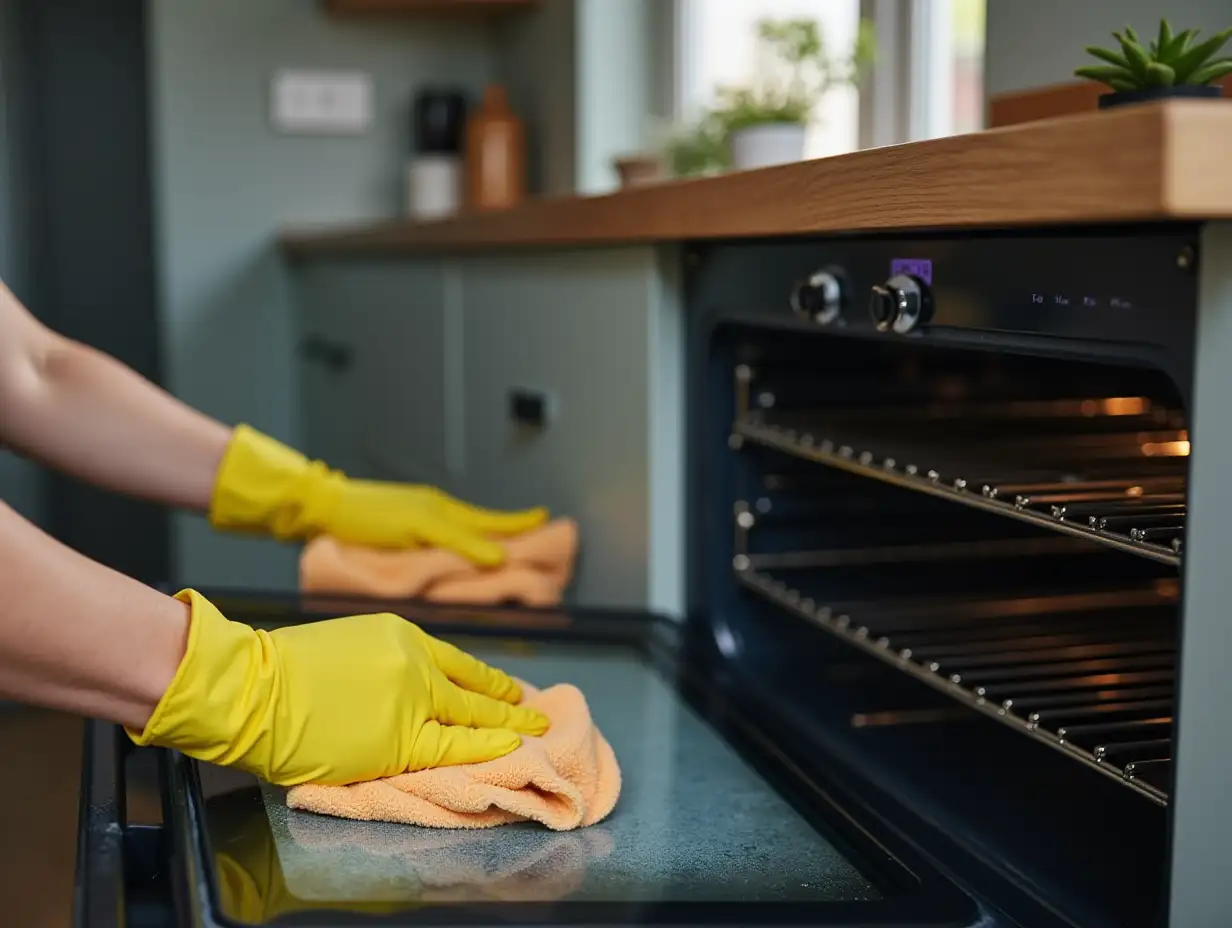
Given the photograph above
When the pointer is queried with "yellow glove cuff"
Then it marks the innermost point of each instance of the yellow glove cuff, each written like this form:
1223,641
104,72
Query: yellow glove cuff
264,486
211,710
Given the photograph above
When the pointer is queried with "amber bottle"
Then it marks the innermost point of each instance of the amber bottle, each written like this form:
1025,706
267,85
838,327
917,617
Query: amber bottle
495,154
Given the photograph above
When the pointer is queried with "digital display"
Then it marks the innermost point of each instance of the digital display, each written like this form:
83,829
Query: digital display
916,267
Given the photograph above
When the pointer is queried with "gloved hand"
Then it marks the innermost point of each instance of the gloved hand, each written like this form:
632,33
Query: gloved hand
263,485
333,702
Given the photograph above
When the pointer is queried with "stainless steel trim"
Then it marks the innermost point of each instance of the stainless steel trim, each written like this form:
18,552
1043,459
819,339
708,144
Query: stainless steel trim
1201,820
849,629
897,554
915,477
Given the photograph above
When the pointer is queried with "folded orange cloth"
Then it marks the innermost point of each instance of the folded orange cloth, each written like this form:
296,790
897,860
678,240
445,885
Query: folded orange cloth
538,567
566,779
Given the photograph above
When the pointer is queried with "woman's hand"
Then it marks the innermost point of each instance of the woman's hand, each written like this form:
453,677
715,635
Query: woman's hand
263,485
84,413
392,515
333,702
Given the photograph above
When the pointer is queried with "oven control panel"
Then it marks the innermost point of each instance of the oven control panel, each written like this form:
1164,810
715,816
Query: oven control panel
1130,286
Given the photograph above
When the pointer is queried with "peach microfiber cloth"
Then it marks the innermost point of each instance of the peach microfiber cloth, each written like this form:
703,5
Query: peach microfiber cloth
565,779
538,567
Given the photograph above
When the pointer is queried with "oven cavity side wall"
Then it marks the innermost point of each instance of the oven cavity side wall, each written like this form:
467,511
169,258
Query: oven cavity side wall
1202,812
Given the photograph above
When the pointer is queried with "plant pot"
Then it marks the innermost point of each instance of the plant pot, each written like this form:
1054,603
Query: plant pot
766,145
1151,94
636,170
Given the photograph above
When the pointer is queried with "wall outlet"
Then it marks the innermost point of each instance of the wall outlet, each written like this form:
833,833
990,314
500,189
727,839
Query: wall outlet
321,102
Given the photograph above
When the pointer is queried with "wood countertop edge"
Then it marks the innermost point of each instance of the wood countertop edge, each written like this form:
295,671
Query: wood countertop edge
1145,163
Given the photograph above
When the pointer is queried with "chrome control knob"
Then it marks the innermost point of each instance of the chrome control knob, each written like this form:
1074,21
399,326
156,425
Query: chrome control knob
883,307
822,298
900,304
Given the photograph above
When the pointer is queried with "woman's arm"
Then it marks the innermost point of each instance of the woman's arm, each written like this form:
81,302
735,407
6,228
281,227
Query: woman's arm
77,636
337,701
88,415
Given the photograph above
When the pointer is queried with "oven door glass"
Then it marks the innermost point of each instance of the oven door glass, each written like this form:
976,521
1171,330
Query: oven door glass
715,824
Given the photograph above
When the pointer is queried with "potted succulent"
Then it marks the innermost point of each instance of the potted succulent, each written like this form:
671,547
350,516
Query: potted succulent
1170,66
765,123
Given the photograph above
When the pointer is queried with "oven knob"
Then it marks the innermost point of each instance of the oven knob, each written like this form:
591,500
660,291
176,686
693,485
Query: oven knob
883,307
901,303
822,298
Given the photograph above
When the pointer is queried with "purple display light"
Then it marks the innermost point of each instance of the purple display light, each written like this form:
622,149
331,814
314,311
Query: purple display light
916,267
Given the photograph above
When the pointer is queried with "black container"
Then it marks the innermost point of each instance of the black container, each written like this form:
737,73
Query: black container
438,122
1151,94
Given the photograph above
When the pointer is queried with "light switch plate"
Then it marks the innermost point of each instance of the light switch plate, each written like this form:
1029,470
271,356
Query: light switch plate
321,102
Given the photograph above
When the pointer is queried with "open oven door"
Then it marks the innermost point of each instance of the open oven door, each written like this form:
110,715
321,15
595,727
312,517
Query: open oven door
727,816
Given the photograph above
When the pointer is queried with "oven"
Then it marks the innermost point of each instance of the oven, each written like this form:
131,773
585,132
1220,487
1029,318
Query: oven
954,512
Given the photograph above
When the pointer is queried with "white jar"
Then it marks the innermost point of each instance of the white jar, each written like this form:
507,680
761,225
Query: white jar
768,144
433,186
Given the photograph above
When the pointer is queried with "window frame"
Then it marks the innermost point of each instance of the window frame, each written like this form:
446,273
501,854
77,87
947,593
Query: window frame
894,103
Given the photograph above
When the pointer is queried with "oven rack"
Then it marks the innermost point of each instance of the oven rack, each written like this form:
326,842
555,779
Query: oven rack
1089,674
1142,515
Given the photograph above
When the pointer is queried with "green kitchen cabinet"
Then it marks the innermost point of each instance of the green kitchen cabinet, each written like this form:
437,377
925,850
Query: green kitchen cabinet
379,368
410,368
597,335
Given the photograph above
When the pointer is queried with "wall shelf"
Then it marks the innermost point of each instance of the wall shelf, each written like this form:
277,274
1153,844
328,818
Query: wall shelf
434,7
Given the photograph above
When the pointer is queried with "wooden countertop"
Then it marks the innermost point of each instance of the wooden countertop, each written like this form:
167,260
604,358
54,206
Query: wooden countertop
1141,163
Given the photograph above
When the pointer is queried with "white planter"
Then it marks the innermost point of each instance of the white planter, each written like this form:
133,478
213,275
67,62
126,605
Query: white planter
766,145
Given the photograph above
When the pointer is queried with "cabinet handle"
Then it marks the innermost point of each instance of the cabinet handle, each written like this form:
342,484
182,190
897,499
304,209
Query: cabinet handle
334,355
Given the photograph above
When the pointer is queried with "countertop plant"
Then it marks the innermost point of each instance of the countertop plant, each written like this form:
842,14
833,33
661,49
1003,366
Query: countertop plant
800,71
796,69
1169,60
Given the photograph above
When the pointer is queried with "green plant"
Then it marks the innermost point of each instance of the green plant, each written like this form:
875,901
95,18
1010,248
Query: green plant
1169,60
799,73
698,149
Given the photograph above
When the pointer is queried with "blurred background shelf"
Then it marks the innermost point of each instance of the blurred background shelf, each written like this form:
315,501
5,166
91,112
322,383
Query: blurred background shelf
468,7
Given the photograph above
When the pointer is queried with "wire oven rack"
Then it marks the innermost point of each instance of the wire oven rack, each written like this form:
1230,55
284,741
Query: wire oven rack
1090,673
1111,469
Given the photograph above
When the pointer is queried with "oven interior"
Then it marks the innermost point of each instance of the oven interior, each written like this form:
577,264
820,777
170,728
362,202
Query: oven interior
958,569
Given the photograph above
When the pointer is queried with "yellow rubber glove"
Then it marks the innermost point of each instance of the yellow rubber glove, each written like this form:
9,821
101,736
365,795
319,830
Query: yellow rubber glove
333,702
263,485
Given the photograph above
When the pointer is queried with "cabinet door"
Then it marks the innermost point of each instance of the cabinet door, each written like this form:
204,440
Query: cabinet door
578,327
380,369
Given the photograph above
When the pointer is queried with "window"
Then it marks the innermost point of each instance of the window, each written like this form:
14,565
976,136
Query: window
929,79
717,45
948,53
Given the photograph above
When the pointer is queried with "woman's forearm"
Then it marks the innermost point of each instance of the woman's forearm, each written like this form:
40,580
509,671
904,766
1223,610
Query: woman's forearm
77,636
88,415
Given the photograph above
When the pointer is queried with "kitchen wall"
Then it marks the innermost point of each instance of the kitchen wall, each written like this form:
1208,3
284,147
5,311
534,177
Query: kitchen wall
20,481
1041,42
10,50
226,183
536,61
614,69
589,78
